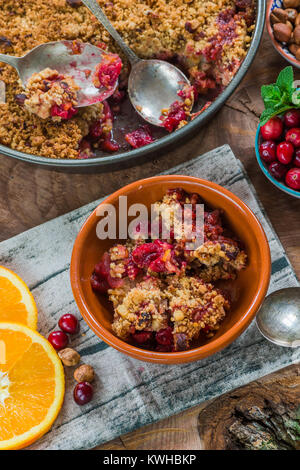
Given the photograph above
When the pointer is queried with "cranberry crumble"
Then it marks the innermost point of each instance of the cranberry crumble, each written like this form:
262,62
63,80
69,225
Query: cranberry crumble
163,292
50,94
207,39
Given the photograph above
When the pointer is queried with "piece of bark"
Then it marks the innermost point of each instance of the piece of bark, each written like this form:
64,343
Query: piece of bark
262,415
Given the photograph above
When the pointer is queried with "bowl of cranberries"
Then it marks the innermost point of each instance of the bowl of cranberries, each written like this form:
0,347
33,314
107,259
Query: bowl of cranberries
277,148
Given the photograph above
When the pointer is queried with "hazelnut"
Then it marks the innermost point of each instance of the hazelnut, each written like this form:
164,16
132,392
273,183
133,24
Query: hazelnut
297,35
297,21
295,50
84,373
278,15
69,357
291,3
282,32
292,14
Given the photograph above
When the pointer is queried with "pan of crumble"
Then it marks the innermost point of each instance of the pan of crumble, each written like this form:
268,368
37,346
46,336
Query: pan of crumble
212,41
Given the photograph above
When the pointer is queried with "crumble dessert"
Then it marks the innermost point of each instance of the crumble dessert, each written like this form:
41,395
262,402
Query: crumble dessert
50,94
162,293
207,39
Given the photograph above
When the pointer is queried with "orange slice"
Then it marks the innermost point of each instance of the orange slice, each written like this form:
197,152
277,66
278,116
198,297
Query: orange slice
32,386
16,302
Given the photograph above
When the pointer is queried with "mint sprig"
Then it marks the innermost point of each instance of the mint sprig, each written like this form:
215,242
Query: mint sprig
280,96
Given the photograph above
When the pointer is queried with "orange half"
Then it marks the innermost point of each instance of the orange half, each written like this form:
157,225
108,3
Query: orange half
32,386
16,301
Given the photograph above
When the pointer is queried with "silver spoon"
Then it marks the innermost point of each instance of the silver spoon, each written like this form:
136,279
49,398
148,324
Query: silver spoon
153,84
60,56
279,317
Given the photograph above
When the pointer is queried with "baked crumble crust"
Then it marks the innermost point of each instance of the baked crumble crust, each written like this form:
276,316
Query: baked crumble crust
209,38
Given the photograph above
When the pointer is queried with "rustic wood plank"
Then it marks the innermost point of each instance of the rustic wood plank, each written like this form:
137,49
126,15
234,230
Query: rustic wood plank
261,415
31,196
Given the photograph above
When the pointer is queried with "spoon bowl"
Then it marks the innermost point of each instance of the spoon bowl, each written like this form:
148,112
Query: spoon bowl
153,86
279,317
62,56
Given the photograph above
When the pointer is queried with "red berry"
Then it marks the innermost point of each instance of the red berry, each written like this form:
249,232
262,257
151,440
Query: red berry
292,178
292,118
83,393
267,151
293,136
69,324
278,170
58,339
272,130
142,337
140,137
102,269
285,152
296,160
165,337
99,285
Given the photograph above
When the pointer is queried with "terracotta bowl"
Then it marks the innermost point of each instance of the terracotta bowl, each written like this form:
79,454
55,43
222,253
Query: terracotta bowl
248,291
281,48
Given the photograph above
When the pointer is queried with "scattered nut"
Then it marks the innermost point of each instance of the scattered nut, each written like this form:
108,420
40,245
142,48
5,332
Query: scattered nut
279,15
297,21
297,35
292,14
291,3
282,32
69,357
84,373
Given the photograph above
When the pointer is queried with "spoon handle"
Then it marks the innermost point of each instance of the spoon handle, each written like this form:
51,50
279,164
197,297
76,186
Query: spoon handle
10,60
93,6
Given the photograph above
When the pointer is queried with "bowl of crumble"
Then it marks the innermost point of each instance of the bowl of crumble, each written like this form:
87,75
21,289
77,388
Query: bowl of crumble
157,298
214,42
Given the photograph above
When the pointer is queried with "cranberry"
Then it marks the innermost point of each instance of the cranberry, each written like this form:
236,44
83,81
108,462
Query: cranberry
292,118
278,170
272,130
109,70
296,160
115,282
102,269
69,324
285,152
140,137
165,336
58,339
293,136
109,144
267,151
96,129
175,115
142,337
292,178
63,112
83,393
99,285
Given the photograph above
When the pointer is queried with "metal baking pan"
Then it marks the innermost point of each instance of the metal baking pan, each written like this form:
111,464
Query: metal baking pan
133,157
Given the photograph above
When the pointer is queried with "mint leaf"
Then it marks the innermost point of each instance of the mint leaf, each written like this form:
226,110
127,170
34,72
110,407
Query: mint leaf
280,96
285,80
270,95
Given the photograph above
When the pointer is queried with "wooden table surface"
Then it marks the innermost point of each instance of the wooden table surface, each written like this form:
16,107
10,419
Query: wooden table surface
30,196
